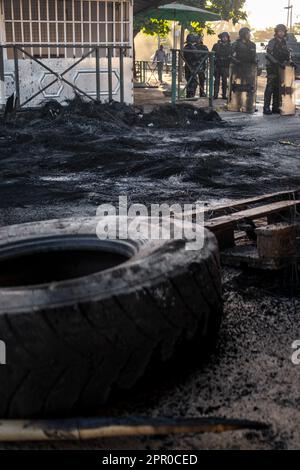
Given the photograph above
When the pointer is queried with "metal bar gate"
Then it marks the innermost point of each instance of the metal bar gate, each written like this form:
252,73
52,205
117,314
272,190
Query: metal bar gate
92,50
146,73
179,88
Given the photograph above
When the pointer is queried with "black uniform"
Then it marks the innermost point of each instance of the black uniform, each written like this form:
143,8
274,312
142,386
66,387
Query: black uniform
223,53
243,52
191,61
278,54
201,65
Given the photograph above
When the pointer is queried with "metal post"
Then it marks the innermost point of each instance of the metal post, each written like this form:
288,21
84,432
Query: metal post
110,97
180,64
144,65
97,52
2,79
174,75
17,77
121,75
211,78
179,75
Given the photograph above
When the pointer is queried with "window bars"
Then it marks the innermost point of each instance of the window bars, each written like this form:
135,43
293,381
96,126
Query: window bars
84,22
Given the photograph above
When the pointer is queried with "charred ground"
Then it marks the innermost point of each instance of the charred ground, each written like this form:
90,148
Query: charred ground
58,163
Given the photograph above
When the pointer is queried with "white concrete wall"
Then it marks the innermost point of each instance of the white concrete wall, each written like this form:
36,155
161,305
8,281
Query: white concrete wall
33,78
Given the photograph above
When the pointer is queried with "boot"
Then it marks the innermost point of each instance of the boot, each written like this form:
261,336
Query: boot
216,90
267,103
267,111
276,102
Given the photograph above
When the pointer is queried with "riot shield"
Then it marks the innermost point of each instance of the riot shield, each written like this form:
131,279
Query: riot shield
242,88
2,94
287,91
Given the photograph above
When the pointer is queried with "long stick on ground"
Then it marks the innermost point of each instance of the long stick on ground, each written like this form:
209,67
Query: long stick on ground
83,429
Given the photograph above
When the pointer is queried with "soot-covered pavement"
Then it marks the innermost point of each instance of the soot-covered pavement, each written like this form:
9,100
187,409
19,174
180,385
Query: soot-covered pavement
66,166
57,164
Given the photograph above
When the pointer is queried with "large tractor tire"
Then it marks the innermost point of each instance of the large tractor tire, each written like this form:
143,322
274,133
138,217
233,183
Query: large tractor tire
82,318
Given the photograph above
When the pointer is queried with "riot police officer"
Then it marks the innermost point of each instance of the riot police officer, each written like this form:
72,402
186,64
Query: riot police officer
243,74
201,63
244,50
278,55
191,60
223,51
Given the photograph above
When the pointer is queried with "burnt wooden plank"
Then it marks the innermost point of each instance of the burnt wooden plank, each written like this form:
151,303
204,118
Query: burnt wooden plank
253,214
243,204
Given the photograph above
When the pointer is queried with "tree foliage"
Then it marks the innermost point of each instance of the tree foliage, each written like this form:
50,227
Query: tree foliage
296,28
153,27
227,9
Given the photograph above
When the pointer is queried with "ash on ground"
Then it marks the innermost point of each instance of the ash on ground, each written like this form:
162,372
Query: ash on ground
65,162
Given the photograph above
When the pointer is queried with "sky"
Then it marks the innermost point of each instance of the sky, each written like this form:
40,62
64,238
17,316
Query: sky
263,13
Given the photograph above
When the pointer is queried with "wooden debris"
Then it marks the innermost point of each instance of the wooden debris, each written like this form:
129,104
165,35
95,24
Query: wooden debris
286,142
245,203
232,207
276,245
252,214
223,226
84,429
277,241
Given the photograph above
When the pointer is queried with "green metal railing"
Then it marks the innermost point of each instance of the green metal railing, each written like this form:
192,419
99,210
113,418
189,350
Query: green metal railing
146,73
180,85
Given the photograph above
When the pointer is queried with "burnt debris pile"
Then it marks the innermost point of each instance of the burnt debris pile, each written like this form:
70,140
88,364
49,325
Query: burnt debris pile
179,116
114,117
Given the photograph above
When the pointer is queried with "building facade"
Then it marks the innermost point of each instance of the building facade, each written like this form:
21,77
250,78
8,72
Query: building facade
42,39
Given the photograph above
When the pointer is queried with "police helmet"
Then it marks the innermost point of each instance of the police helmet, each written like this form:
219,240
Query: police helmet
281,27
224,34
190,38
199,38
243,32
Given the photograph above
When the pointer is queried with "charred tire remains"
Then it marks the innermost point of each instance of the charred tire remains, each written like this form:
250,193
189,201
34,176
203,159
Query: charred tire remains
84,318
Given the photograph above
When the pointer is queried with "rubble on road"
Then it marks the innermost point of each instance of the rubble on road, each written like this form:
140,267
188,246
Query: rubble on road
115,117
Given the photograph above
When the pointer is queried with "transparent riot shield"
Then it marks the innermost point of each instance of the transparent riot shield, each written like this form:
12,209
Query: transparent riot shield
2,95
287,91
242,88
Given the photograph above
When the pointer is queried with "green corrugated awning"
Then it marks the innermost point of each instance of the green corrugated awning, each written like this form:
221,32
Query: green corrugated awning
179,12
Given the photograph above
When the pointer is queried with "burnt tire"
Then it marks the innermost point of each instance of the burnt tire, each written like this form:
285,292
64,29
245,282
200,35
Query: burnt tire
71,343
